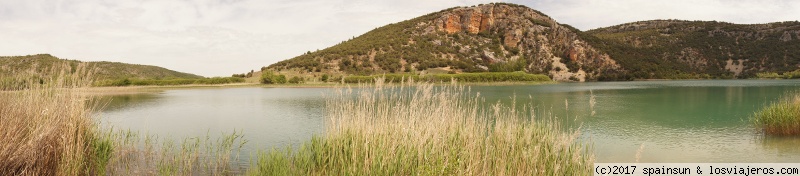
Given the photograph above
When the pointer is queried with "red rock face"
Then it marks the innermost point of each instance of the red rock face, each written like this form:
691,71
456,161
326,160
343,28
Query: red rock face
473,22
487,20
452,24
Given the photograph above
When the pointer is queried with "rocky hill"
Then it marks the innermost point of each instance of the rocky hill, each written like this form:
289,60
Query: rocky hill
491,37
509,37
700,49
43,64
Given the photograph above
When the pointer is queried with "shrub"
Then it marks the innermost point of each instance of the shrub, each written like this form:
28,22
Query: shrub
296,80
267,77
325,78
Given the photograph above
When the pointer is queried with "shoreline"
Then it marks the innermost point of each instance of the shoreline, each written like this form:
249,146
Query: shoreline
134,89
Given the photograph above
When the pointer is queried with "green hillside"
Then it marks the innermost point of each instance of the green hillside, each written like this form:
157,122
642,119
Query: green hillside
700,49
43,64
496,37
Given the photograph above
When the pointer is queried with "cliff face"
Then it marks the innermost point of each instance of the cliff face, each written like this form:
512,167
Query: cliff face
701,48
545,45
491,37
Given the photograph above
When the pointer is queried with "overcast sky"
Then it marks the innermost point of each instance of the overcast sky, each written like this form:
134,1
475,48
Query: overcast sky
222,37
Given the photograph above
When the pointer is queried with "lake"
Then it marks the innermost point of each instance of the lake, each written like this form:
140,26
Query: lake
670,121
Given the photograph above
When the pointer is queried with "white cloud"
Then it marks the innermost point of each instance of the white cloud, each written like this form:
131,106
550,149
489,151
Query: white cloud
222,37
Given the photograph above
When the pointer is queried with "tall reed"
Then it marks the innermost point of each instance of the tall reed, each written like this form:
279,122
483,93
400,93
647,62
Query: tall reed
422,129
781,118
46,126
136,154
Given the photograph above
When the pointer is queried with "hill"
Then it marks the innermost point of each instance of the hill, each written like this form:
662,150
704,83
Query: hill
491,37
700,49
507,37
42,64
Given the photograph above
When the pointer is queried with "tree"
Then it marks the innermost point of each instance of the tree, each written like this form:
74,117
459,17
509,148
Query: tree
267,77
325,78
296,80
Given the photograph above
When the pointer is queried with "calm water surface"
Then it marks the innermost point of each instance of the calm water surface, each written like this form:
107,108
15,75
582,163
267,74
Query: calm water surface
674,121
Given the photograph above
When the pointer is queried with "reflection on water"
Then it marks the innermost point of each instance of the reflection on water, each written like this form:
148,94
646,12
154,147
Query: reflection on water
676,121
127,101
268,117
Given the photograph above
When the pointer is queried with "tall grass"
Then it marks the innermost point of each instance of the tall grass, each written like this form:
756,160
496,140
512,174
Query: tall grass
422,129
780,118
46,126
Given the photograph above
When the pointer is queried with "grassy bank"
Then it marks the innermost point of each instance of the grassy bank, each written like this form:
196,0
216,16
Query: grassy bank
461,77
780,118
421,129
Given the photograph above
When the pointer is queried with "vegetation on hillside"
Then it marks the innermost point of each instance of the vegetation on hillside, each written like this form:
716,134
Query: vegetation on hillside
429,130
461,77
40,66
675,49
388,45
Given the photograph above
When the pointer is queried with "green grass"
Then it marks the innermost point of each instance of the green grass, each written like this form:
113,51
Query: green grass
422,129
781,118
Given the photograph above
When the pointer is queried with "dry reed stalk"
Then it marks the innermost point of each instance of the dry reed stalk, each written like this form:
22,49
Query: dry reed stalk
46,124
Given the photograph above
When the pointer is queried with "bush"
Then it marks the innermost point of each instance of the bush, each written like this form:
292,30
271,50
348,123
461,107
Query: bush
325,78
271,78
296,80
